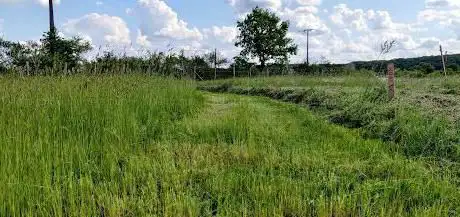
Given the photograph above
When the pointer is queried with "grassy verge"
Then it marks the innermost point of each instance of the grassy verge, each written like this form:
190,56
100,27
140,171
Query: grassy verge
421,122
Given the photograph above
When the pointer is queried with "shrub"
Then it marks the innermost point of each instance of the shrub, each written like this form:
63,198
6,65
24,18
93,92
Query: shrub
425,68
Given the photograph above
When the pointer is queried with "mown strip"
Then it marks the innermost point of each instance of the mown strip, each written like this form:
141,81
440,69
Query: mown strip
402,126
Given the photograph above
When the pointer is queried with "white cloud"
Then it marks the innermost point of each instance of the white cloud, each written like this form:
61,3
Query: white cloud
442,17
444,12
309,2
142,40
429,43
160,20
442,3
304,17
345,17
99,3
224,34
100,28
454,25
361,20
44,3
244,6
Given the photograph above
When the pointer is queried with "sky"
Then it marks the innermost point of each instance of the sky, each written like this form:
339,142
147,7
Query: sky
345,31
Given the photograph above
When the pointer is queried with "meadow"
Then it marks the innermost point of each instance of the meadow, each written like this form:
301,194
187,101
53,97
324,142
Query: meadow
137,145
422,121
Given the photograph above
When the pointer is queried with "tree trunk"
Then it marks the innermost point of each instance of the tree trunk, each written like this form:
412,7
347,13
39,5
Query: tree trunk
262,65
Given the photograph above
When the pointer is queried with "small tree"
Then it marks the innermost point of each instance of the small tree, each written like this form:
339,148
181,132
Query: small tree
262,35
242,62
215,59
58,49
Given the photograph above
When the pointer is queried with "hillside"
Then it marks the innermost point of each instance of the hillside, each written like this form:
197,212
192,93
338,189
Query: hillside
453,62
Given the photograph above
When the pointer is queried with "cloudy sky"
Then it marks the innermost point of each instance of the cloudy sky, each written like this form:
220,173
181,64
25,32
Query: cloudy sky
346,30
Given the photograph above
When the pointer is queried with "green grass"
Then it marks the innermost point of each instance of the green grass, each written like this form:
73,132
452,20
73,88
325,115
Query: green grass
422,121
142,146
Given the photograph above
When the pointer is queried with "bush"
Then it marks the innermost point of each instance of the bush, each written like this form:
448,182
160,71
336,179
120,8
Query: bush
425,68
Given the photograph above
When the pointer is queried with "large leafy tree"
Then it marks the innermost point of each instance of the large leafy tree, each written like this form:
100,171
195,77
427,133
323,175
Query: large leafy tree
262,35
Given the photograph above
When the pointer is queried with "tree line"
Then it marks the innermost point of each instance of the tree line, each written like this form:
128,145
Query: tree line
262,36
426,64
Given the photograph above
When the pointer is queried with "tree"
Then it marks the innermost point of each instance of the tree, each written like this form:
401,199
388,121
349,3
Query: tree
453,66
425,68
242,62
19,54
199,61
52,50
215,59
63,50
262,35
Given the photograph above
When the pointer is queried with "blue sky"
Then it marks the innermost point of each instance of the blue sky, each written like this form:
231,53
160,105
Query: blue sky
348,30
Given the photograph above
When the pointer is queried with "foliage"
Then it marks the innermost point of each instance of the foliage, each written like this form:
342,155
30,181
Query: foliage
242,62
215,59
425,68
58,49
17,54
263,35
53,50
409,64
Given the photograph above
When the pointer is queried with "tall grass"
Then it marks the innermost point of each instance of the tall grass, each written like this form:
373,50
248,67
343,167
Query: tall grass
66,142
142,146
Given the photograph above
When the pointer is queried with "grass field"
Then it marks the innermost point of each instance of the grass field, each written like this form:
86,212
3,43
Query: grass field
423,120
143,146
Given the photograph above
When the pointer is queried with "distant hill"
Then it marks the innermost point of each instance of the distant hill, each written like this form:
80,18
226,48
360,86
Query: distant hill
453,62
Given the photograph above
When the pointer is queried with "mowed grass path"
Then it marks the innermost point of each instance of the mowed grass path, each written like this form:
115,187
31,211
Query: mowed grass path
141,146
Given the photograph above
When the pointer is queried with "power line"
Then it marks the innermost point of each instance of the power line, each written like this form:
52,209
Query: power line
308,43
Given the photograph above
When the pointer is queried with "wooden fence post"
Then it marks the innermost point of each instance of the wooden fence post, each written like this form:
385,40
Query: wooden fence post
194,73
65,68
28,68
391,80
443,62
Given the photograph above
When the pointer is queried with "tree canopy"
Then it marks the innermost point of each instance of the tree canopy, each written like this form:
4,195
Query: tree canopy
52,50
262,35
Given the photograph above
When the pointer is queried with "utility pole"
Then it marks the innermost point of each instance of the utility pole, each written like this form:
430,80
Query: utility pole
53,33
215,64
443,62
51,15
308,44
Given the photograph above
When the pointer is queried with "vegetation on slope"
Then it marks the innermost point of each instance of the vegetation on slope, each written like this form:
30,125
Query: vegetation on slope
427,64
